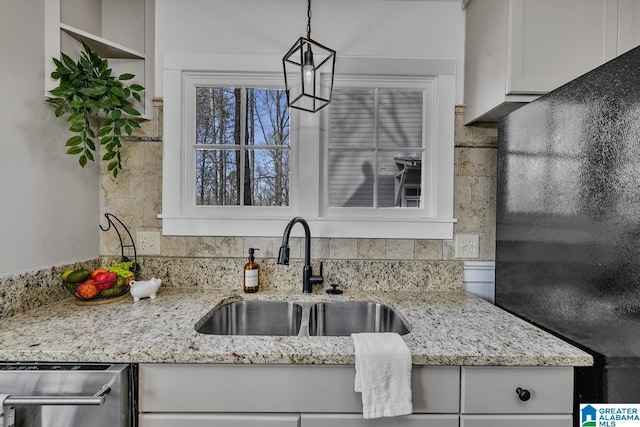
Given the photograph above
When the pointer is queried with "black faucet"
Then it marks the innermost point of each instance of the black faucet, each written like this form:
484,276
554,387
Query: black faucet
308,279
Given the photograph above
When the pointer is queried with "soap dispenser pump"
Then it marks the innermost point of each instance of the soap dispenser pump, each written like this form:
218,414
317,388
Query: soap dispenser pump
251,273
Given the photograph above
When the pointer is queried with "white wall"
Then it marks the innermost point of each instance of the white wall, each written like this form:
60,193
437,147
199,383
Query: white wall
377,28
49,206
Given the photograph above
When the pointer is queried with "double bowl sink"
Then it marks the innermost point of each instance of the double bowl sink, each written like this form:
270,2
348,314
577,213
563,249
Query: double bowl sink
286,318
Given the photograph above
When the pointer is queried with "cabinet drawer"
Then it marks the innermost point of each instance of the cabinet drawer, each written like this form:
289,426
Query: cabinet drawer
219,420
516,421
492,390
353,420
281,388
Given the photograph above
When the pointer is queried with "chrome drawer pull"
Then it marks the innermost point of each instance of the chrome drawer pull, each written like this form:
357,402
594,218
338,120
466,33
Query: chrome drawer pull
97,399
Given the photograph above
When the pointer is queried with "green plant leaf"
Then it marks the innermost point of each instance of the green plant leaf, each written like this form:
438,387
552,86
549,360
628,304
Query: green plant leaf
61,91
131,111
136,87
91,145
116,114
136,96
110,155
73,141
106,140
59,111
113,165
76,127
104,130
88,154
133,123
126,76
71,65
82,160
119,92
75,150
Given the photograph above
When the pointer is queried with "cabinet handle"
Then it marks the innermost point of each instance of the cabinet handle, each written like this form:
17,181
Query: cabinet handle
523,394
96,399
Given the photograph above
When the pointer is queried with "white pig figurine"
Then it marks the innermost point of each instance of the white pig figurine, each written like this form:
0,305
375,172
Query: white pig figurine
144,288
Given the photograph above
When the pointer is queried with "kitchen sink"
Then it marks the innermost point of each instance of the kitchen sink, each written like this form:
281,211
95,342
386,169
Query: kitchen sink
253,318
286,318
345,318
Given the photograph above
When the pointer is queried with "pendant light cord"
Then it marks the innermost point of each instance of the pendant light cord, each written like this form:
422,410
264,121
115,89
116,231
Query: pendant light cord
309,19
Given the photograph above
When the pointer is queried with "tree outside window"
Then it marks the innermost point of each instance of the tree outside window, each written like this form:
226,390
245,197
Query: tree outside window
242,147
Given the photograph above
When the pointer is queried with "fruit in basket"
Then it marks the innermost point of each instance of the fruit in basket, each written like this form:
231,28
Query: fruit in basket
87,289
97,271
78,276
122,269
105,280
66,274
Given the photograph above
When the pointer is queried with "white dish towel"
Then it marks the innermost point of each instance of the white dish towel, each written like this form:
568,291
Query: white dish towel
383,374
7,413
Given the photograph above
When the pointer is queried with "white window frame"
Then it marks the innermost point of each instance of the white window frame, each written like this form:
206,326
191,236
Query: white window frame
429,186
307,155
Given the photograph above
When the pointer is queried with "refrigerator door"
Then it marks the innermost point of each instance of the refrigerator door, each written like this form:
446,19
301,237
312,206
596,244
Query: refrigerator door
568,217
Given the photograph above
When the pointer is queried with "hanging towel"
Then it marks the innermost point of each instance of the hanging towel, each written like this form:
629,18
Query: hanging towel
383,374
7,412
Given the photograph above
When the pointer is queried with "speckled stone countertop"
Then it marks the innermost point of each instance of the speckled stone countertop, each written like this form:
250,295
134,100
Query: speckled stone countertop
447,328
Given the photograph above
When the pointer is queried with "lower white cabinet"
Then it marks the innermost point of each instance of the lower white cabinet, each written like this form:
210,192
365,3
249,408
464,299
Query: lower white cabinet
516,421
516,396
323,396
356,420
219,420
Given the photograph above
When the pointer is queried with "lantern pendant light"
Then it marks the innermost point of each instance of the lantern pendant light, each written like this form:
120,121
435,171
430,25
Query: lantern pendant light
308,72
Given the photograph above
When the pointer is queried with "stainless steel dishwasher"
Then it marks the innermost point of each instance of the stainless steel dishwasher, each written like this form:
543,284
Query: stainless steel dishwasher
70,394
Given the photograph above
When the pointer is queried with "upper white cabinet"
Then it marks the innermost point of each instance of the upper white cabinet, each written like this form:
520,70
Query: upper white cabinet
121,31
517,50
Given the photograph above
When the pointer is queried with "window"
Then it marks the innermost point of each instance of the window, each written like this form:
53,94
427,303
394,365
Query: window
241,146
376,163
375,147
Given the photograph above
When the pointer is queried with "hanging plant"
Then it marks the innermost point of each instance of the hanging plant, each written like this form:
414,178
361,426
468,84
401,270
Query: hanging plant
98,106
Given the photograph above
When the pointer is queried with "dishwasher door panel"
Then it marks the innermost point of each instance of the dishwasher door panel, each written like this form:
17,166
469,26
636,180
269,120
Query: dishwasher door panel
44,382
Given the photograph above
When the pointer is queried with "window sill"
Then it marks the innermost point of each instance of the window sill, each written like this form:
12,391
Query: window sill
425,228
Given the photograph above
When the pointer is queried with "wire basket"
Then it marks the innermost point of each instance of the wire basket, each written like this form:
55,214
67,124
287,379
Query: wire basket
91,292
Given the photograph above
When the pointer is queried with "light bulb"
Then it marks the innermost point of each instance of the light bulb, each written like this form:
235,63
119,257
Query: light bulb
307,66
308,73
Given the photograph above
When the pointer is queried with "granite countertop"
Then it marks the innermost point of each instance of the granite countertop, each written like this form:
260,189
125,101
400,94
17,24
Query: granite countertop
447,328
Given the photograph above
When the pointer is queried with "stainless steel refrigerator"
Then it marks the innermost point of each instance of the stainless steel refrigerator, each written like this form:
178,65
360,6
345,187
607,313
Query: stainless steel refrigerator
568,222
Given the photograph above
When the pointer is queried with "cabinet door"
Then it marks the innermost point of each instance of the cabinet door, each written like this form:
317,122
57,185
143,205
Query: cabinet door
219,420
554,41
356,420
493,390
516,420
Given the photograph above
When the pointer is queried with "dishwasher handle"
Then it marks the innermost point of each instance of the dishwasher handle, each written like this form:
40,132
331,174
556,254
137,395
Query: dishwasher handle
97,399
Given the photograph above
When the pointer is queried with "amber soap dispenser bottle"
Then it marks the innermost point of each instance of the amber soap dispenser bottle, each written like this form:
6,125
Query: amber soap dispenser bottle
251,273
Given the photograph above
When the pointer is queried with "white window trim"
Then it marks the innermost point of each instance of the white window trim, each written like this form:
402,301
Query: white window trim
306,182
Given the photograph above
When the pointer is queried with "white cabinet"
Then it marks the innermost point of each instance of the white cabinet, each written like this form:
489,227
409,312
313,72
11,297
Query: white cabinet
219,420
319,396
121,31
517,50
323,396
507,396
356,420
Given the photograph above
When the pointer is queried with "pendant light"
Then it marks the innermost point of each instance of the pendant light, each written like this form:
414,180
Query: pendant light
308,72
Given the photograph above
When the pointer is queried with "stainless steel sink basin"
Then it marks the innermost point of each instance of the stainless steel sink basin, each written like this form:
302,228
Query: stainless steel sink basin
345,318
253,318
